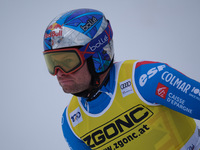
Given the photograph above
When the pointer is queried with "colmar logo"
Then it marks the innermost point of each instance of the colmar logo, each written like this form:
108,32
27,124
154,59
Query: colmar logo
161,90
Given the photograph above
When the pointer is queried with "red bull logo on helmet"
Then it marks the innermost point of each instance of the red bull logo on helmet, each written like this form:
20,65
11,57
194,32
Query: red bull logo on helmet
53,30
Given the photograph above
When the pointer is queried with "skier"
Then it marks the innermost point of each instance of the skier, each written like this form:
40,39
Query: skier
133,104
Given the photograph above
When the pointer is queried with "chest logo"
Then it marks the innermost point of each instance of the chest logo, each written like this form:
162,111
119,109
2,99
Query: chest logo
76,117
126,87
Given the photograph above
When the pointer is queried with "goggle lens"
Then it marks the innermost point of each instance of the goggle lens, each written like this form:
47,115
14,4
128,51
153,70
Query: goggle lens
67,60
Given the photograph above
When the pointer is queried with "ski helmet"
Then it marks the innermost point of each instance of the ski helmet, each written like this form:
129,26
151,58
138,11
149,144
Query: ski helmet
86,29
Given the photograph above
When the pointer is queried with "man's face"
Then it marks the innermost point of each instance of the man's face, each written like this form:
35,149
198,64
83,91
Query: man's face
75,82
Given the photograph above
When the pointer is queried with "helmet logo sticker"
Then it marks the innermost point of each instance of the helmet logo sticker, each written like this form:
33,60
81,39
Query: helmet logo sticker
53,31
99,43
89,24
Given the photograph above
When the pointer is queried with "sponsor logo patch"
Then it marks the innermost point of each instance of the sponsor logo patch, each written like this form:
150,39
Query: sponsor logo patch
100,42
89,24
161,90
129,122
150,73
126,87
76,117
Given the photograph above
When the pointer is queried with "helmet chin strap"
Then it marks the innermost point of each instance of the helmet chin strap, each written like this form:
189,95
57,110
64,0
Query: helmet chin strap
95,85
95,81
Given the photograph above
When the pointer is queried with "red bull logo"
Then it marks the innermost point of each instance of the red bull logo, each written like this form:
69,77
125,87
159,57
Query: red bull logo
54,26
53,30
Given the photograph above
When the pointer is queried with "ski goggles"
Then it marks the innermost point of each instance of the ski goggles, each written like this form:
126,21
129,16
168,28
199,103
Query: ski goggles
67,60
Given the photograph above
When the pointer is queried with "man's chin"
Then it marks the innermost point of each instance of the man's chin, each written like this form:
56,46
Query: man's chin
72,90
69,91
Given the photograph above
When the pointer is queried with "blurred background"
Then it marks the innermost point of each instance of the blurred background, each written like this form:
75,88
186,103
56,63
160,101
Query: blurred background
32,101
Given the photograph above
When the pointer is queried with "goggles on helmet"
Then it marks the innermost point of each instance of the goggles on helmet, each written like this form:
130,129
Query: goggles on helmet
70,60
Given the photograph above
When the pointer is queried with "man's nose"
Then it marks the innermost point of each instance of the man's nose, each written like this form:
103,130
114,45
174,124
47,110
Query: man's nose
60,73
